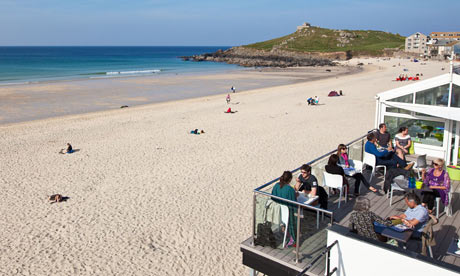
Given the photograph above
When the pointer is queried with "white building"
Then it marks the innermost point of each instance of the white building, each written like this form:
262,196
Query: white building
417,44
431,111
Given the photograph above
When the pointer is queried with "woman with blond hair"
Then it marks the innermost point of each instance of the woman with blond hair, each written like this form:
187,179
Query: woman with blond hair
437,179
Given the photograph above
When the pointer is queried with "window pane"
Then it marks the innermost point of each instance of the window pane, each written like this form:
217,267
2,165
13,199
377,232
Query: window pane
421,131
397,110
455,101
433,96
404,99
422,114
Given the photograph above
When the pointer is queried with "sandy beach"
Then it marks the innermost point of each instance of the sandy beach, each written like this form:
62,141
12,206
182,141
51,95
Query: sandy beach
148,198
26,102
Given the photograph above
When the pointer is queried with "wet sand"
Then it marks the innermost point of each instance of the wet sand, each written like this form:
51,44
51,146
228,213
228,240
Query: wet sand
25,102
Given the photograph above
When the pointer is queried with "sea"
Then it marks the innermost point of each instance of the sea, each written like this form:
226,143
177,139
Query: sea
22,65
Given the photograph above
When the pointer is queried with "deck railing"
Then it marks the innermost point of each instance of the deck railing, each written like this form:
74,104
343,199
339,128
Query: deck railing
305,227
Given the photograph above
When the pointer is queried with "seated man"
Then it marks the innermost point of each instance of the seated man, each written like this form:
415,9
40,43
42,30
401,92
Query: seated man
383,137
416,216
384,157
309,184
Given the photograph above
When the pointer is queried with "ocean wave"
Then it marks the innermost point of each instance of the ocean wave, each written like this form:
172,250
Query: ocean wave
134,72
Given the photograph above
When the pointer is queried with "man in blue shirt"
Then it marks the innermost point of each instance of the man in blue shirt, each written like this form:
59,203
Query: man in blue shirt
416,216
384,157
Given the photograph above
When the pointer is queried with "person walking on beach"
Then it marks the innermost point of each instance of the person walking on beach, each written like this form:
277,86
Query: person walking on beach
228,98
233,89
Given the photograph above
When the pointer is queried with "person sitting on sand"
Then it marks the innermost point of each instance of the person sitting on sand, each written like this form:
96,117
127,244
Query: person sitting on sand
316,99
229,110
67,150
228,98
310,101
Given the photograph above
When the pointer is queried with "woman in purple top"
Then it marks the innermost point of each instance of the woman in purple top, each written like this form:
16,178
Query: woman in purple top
438,180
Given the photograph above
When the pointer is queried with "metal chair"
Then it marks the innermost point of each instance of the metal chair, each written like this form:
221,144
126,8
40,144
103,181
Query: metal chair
395,187
335,181
420,164
447,209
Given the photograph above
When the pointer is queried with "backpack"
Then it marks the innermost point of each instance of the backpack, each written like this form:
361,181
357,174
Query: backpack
265,236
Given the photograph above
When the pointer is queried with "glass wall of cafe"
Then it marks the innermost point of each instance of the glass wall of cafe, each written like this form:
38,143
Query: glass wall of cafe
431,135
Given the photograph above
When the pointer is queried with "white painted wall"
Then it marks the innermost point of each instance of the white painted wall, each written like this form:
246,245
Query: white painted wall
358,258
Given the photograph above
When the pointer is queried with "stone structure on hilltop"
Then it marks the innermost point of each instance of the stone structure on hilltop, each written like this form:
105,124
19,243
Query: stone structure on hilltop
305,25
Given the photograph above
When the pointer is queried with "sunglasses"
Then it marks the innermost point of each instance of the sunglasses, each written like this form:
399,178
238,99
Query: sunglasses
435,164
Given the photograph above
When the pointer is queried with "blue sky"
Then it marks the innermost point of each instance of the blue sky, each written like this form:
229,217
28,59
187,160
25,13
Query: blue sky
206,22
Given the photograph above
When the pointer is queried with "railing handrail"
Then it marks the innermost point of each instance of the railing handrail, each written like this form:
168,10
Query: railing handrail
310,265
295,203
309,163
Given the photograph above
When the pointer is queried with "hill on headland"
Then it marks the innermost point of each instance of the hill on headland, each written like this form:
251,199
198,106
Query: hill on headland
315,39
309,46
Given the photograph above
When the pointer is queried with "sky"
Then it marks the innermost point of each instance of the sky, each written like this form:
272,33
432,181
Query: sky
207,22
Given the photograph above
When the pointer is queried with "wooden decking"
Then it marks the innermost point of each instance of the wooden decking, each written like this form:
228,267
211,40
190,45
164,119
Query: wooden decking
312,241
447,229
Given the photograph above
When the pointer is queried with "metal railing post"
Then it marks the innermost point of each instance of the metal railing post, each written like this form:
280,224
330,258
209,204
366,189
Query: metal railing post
254,202
328,264
297,236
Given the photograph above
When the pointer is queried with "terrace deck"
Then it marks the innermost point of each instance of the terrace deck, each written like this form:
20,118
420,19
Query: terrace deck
447,229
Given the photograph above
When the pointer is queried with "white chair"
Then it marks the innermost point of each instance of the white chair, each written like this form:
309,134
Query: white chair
370,160
335,181
395,186
285,221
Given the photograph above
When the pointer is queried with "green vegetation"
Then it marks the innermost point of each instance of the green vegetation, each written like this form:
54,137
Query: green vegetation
315,39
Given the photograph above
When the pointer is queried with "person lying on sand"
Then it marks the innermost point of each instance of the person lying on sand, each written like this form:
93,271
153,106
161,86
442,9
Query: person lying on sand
197,132
67,150
55,198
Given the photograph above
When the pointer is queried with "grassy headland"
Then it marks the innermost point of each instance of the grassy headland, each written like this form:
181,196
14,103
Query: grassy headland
316,39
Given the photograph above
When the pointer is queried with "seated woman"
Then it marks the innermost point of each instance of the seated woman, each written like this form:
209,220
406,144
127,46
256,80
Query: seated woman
284,190
68,149
438,180
332,167
403,140
362,220
308,183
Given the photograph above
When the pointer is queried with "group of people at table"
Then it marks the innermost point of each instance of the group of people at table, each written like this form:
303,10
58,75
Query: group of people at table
363,221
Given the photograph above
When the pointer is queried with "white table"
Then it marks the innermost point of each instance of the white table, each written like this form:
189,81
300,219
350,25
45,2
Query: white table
306,199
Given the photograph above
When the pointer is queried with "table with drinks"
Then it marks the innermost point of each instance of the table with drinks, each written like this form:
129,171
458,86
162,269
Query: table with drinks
412,185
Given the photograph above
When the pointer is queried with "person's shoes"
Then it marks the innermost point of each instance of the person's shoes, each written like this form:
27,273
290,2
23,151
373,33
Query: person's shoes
392,242
290,243
374,190
408,167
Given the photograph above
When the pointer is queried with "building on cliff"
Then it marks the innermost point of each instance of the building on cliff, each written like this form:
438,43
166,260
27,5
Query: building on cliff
305,25
417,44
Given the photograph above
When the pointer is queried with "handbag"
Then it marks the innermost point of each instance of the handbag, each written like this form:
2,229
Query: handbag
265,236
